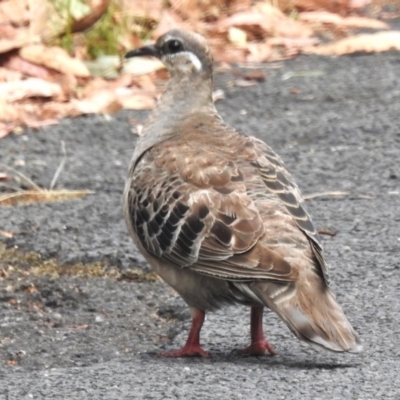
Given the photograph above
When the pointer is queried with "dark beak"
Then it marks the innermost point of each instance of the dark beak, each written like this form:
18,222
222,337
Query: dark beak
143,51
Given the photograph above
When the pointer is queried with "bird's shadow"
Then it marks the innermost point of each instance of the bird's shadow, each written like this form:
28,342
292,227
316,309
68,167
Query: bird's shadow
277,361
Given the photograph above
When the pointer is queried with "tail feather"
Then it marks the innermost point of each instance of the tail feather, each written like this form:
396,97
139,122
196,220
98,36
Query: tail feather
312,314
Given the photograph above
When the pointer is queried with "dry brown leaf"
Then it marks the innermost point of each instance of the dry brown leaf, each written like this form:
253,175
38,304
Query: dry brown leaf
55,58
8,112
229,54
324,17
208,10
367,43
145,9
20,39
267,18
237,30
363,22
125,80
68,84
16,63
14,12
8,75
103,101
121,91
337,6
44,20
259,52
31,87
198,9
137,100
359,3
282,24
39,16
293,44
5,129
146,82
94,85
169,20
54,110
245,18
16,115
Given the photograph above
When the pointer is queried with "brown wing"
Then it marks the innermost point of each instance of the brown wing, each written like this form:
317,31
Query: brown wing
195,212
279,181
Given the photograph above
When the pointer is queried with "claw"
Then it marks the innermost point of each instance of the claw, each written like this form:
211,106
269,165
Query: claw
258,349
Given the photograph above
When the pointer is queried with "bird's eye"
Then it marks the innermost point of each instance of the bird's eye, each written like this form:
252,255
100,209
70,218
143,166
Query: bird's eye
173,46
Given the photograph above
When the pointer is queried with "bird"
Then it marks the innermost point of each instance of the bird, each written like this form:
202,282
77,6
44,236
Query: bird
219,218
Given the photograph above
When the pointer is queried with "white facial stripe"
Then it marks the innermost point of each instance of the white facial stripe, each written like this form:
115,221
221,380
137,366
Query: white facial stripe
193,59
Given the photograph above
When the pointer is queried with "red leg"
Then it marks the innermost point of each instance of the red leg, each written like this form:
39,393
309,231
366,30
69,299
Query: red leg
192,347
259,346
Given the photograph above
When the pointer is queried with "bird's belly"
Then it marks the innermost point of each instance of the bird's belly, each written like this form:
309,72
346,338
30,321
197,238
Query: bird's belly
200,291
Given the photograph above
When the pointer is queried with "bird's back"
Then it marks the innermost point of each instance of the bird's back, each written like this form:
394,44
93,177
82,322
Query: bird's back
207,165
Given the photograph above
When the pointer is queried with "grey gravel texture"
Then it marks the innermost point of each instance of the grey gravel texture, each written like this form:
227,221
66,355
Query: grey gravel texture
336,123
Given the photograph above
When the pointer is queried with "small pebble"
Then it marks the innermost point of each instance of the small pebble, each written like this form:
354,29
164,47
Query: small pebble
99,318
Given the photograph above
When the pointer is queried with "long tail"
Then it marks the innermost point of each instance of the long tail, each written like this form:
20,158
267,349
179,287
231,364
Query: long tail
312,314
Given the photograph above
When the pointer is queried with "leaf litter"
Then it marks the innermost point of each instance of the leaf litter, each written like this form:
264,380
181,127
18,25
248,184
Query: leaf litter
49,70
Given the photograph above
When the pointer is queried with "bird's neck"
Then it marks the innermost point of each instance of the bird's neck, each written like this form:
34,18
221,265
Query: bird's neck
181,98
185,95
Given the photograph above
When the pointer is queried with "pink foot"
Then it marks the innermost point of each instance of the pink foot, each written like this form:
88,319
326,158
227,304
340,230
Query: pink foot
258,349
259,345
186,351
192,347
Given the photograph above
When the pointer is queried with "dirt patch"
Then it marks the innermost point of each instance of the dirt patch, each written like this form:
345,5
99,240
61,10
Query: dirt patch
74,315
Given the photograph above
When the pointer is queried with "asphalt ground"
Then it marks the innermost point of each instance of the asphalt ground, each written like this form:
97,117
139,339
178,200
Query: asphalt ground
68,334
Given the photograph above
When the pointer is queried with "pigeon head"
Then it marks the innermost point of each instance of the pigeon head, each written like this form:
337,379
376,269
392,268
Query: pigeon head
184,53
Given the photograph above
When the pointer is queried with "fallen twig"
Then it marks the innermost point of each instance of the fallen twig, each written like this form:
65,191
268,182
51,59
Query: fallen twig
336,193
7,234
327,232
40,196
